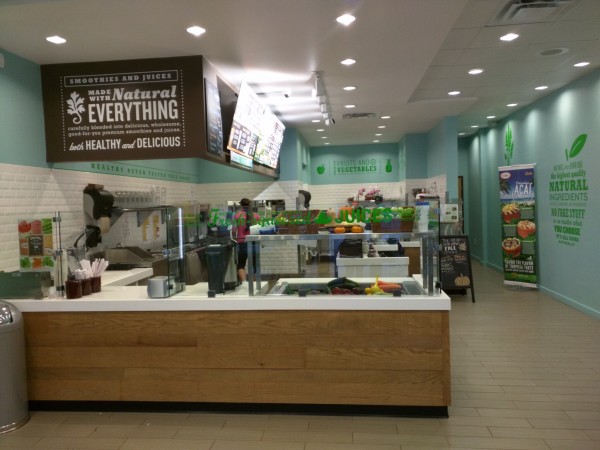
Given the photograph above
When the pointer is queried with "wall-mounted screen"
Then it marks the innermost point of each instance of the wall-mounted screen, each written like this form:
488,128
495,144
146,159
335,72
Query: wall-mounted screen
214,126
256,132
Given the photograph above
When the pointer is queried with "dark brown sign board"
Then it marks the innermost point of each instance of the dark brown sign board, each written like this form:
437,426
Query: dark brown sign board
158,108
124,110
455,264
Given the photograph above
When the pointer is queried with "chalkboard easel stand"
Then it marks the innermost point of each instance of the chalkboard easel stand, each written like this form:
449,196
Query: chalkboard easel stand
462,291
454,265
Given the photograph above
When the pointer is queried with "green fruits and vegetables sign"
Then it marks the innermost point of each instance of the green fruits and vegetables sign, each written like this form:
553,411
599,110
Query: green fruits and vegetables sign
355,167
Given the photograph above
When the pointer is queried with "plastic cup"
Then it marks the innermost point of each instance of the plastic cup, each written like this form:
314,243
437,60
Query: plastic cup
96,284
86,286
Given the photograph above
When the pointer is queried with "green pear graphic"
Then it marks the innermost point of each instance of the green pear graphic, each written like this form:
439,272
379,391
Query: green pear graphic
321,169
388,166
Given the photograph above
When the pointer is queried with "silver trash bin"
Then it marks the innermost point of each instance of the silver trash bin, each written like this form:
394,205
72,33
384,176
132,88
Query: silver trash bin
14,409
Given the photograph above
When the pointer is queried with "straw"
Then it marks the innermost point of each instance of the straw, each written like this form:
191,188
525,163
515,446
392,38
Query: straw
94,269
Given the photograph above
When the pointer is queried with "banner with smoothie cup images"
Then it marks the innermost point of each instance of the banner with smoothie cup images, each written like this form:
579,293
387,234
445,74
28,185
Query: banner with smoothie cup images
36,249
519,237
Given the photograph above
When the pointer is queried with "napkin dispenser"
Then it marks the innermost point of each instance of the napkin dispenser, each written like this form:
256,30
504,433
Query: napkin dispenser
158,287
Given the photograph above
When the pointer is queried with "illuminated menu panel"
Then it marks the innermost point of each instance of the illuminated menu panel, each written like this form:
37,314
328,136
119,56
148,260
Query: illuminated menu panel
256,132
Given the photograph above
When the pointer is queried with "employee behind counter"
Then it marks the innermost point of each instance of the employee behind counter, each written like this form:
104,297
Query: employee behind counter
240,229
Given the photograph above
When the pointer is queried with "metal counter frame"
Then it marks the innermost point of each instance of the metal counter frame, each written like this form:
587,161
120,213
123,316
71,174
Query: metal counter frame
429,247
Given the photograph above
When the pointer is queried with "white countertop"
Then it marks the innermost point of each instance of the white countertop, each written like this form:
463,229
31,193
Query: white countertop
373,261
125,277
195,298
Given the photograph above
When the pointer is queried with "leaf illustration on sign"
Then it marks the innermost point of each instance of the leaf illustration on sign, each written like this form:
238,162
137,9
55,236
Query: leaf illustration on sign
323,218
577,146
76,107
509,144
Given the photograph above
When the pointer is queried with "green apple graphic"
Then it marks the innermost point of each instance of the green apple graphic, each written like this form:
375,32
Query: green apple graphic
321,169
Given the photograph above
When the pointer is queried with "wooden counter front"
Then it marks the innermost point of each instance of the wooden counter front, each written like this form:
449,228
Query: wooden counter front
399,358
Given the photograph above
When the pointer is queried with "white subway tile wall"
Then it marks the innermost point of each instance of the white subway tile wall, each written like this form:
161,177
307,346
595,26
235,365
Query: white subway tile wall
28,192
35,192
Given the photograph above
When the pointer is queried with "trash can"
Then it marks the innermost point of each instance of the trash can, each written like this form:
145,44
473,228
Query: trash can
216,261
14,410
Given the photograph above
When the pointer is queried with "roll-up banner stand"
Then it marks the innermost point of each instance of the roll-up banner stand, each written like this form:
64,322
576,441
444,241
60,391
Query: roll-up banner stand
519,229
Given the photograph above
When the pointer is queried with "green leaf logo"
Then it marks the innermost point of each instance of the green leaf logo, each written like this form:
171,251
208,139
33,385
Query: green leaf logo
577,146
509,144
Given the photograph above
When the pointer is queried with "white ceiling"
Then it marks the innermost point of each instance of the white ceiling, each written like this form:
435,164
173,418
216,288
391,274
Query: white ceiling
409,53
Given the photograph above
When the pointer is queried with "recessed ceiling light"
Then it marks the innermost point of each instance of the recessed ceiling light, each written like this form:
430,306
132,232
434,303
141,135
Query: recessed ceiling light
474,126
346,19
509,37
454,93
315,121
348,62
349,106
381,126
582,64
541,88
462,134
385,117
349,88
321,129
490,117
56,39
196,30
378,134
323,137
475,71
375,140
512,105
326,143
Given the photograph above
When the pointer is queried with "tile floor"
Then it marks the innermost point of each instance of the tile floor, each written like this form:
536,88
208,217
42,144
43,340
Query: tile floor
526,375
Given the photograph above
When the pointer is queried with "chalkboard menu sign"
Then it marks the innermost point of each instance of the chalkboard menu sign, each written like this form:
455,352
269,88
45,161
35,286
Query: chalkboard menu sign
214,124
455,264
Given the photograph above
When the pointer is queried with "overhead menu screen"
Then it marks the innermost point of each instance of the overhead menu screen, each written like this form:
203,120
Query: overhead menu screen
255,132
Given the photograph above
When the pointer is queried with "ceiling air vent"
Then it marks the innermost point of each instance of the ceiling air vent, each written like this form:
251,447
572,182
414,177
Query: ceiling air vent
531,11
359,116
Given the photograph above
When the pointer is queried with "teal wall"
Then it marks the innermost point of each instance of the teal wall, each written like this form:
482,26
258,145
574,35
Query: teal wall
210,172
21,114
332,160
543,132
416,155
463,171
22,140
402,159
442,157
295,157
304,150
474,218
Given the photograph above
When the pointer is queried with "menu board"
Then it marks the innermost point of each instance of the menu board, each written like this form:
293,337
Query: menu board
122,110
36,248
255,132
214,126
267,152
455,264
